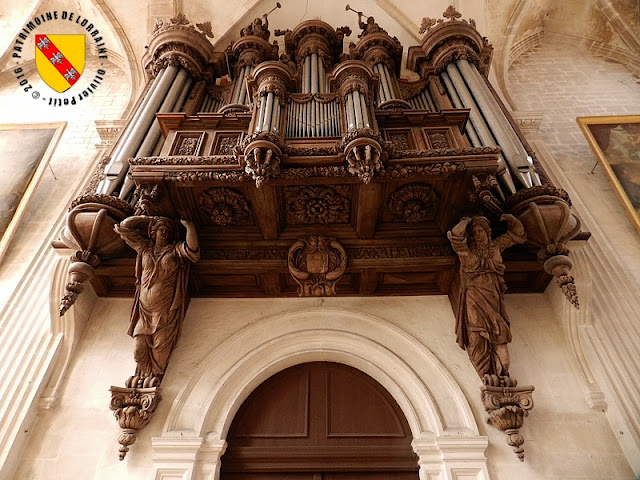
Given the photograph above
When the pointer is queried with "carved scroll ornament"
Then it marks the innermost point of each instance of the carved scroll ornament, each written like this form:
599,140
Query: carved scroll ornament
317,263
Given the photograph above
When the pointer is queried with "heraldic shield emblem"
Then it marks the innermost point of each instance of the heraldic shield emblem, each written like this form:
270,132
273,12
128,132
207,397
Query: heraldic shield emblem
60,60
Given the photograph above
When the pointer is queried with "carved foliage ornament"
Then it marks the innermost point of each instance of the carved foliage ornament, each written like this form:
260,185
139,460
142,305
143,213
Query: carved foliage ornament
133,408
413,203
224,206
317,263
507,405
317,204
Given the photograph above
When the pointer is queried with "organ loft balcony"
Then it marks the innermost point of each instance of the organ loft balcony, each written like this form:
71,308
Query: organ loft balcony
263,148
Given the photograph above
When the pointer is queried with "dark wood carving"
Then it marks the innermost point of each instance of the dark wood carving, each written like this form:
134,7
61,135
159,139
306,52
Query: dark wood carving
317,263
317,204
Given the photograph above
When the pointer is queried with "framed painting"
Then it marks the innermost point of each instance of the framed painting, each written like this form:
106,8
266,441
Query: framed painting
616,143
26,151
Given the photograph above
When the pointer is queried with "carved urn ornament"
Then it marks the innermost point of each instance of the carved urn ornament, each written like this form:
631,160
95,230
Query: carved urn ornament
317,264
89,230
545,213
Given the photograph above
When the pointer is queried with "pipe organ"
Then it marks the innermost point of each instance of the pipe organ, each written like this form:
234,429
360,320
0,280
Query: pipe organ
318,171
262,144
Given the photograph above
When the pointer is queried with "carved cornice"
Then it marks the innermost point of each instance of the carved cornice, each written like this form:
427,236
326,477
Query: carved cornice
179,43
272,76
229,160
359,253
447,41
350,75
314,36
407,171
444,152
103,199
376,46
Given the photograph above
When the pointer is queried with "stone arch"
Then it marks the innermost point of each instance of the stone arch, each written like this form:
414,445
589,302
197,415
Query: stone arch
438,414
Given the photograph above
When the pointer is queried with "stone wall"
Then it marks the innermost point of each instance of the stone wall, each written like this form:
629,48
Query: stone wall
563,437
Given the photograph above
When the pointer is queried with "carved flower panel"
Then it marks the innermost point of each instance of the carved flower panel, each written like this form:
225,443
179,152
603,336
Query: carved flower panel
400,139
225,144
309,204
187,143
413,203
438,139
224,206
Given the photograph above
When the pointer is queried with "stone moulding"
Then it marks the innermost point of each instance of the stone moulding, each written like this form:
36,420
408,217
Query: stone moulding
507,405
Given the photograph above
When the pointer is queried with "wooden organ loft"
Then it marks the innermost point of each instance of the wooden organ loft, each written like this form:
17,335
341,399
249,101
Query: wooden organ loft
275,155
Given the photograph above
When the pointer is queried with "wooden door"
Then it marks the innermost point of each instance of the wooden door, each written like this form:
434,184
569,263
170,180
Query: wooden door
319,421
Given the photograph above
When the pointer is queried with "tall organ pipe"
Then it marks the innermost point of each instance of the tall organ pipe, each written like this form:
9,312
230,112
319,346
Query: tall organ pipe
478,121
513,149
117,169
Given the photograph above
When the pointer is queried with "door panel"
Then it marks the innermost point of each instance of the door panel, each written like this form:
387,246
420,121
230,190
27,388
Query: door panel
319,421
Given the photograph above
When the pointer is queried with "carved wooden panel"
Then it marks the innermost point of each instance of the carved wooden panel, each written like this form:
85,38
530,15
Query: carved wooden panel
401,139
319,421
439,138
187,143
309,204
224,143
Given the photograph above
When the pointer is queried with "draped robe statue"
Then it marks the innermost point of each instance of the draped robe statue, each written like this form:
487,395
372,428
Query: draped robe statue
162,271
482,324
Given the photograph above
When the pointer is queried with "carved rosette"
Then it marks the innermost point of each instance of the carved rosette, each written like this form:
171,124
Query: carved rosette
413,203
133,408
224,206
446,41
177,42
89,230
507,406
317,204
545,213
363,156
316,264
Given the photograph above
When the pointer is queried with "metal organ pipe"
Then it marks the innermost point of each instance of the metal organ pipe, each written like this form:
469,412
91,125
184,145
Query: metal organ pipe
514,151
119,164
266,121
478,121
457,103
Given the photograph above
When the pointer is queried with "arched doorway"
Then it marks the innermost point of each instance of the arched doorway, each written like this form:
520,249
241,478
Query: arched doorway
319,421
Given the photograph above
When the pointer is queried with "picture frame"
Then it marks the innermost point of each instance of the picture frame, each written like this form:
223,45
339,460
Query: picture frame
615,140
27,149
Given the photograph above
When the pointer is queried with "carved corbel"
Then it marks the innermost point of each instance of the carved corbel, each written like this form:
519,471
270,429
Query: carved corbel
364,158
545,213
262,161
316,264
133,407
507,405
